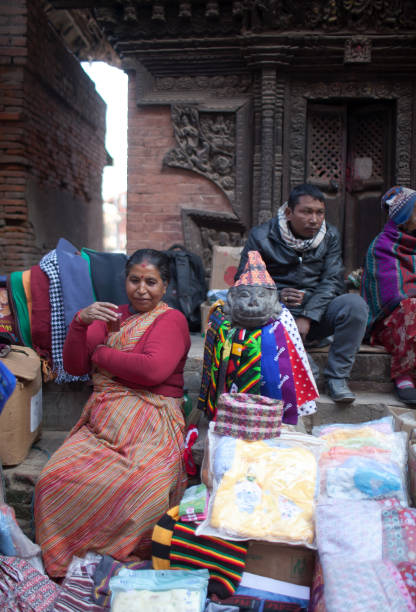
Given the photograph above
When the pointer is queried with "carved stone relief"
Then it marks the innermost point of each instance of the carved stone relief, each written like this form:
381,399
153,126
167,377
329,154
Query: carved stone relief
301,92
206,145
203,231
357,51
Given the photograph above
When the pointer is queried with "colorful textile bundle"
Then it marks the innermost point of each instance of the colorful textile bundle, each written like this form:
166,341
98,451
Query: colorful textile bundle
250,417
269,361
38,304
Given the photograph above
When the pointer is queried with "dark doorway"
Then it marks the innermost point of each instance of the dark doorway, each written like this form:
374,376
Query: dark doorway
350,157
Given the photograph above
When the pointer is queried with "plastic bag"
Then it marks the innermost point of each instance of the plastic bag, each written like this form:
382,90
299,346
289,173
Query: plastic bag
263,489
364,461
159,590
13,541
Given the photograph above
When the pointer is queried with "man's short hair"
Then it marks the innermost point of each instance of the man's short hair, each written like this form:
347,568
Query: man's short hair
305,189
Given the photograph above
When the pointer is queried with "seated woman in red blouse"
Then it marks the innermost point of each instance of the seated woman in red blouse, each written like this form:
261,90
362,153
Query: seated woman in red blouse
121,467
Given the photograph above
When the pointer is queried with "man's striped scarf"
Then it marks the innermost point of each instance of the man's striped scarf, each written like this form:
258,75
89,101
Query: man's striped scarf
389,274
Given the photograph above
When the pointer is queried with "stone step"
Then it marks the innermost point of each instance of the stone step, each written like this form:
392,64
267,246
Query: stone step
368,406
62,404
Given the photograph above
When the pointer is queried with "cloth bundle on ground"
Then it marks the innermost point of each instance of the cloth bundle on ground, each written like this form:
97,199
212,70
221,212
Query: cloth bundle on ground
367,550
175,545
24,588
269,361
363,461
262,489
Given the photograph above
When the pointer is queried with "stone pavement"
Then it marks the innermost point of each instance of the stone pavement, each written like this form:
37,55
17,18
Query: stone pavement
63,404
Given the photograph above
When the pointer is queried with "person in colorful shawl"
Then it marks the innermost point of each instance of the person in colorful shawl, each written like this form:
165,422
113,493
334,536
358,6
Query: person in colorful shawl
302,253
121,467
389,287
253,346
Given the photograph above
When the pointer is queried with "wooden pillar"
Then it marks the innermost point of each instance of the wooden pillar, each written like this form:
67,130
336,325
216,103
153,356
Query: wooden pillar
268,97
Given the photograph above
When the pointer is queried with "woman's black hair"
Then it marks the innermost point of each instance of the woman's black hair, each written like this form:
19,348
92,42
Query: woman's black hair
159,259
305,189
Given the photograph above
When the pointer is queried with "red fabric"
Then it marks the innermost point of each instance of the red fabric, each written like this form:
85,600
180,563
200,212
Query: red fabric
155,364
41,311
397,333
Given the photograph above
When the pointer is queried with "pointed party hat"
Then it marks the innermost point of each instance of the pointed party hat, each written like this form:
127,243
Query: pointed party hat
255,272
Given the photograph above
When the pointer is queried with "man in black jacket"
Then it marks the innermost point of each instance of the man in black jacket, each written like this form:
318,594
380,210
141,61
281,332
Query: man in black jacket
302,253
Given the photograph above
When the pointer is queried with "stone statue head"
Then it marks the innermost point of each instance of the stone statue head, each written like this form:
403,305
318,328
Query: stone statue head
253,299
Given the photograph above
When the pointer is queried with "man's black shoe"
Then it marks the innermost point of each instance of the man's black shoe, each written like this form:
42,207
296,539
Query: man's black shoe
339,391
406,395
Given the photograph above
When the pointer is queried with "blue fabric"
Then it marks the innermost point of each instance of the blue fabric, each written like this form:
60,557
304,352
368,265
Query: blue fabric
270,373
108,277
75,278
6,542
7,384
269,596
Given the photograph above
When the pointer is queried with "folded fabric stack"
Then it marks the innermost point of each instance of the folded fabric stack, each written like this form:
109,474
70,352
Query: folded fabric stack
37,305
366,533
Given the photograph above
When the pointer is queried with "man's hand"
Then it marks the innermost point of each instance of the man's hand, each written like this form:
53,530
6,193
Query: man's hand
291,297
304,325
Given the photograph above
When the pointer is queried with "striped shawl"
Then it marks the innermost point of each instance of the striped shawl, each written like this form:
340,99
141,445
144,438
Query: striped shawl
389,274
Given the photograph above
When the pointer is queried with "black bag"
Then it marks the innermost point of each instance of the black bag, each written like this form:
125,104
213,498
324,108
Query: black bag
187,287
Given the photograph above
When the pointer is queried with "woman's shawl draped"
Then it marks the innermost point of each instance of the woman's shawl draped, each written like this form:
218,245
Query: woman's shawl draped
389,274
268,361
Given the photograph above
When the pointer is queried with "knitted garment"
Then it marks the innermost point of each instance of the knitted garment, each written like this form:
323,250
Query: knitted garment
175,546
299,244
250,417
389,274
255,272
400,202
162,538
269,361
225,560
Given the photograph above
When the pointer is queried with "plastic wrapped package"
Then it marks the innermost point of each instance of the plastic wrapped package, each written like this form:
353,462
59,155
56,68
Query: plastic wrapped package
159,590
13,542
263,489
364,461
384,425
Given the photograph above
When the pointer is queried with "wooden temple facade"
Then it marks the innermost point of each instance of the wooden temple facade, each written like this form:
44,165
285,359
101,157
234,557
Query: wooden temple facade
262,95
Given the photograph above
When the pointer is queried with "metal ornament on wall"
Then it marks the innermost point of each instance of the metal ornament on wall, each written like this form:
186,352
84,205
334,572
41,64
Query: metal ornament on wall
206,144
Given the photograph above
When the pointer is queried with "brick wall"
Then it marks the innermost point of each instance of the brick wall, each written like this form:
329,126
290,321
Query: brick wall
52,130
156,194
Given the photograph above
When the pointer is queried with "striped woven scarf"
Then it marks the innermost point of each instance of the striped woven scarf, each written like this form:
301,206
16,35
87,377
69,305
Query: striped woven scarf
389,274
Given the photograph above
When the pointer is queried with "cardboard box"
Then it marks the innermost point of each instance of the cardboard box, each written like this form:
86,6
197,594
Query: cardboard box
20,420
225,260
404,420
293,564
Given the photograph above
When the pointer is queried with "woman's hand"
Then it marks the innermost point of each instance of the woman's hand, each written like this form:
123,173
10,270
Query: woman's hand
99,311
